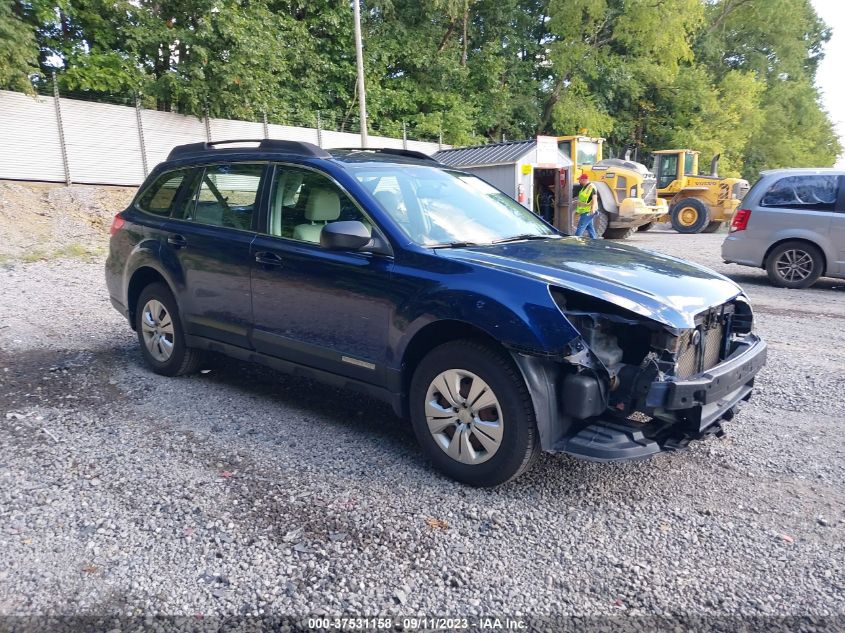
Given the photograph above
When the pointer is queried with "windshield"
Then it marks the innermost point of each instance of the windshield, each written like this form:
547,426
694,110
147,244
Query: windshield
588,152
439,207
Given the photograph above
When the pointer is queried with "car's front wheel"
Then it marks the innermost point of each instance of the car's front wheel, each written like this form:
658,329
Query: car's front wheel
472,414
794,265
160,333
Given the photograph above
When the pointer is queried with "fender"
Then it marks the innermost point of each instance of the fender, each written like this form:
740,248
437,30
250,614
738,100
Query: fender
536,328
818,239
608,201
148,254
541,376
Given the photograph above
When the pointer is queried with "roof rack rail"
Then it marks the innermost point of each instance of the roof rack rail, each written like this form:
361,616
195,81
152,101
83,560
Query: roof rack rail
410,153
266,144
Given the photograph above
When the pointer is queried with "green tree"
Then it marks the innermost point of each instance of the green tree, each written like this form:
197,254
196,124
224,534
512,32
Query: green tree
18,48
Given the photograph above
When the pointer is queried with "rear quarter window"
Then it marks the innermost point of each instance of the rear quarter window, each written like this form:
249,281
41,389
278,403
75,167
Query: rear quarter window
809,192
158,198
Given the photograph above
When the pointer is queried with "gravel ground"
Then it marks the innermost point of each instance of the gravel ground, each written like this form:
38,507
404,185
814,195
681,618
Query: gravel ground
243,491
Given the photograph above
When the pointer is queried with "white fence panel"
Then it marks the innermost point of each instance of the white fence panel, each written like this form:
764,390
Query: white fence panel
164,130
104,146
102,142
383,141
290,133
225,129
426,147
332,140
29,138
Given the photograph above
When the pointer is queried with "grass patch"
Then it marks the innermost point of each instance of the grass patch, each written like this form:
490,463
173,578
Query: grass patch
70,251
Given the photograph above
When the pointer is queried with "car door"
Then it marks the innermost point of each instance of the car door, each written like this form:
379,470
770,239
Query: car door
208,242
327,309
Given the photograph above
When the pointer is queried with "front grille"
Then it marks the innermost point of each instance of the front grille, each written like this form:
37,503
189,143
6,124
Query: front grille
650,191
740,189
704,355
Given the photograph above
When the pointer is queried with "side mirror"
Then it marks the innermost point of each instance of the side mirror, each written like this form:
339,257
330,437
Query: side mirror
348,235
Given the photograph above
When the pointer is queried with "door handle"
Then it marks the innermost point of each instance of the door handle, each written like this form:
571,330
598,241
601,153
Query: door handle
177,241
268,259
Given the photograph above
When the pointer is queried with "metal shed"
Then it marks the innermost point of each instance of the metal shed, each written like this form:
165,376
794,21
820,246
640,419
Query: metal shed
520,169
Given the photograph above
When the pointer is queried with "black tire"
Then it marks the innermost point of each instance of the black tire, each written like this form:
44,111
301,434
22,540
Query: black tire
183,359
712,227
689,216
778,261
601,221
619,234
520,442
646,227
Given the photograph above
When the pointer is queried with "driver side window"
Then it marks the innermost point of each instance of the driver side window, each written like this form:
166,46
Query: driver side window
303,202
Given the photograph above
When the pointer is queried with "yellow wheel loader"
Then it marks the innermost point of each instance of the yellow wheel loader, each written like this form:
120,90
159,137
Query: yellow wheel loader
697,204
627,190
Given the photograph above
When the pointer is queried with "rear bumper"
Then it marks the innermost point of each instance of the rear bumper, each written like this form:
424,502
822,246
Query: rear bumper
683,410
738,249
117,305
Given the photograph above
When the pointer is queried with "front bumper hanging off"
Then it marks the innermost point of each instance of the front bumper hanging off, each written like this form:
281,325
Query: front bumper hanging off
683,410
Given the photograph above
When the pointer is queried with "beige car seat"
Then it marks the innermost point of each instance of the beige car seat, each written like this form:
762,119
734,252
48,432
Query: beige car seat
323,206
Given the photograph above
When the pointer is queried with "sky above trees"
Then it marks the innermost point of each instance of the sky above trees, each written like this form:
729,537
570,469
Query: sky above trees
735,77
829,76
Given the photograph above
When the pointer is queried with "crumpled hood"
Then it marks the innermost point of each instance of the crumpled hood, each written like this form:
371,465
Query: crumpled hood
669,290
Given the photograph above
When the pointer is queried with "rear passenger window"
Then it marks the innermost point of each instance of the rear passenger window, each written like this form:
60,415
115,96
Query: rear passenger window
228,195
810,192
303,202
159,197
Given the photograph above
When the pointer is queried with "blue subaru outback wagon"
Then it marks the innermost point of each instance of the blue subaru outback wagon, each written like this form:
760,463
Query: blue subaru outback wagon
387,272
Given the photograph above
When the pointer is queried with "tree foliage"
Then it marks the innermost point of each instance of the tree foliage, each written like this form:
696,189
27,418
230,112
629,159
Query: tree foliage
734,77
18,48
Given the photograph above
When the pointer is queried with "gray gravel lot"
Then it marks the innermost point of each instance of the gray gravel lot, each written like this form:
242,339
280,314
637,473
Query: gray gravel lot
241,490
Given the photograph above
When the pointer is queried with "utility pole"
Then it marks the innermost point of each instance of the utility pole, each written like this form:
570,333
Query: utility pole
359,54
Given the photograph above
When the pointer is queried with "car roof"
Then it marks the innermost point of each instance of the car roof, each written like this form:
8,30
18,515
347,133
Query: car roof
273,149
803,171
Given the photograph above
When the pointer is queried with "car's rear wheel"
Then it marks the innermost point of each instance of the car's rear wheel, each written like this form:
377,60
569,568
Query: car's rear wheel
160,333
689,216
794,265
472,414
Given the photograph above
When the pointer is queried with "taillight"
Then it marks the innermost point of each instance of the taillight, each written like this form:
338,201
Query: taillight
116,224
740,221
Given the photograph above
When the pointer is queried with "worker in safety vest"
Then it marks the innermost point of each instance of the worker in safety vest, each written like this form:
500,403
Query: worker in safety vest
586,207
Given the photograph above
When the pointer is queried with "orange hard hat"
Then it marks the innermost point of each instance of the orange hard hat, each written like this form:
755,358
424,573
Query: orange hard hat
583,176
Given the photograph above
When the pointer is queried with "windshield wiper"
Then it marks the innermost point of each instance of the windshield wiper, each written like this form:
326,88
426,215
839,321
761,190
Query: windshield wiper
454,244
524,236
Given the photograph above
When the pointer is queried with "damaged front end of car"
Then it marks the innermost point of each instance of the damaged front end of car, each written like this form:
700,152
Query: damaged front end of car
630,386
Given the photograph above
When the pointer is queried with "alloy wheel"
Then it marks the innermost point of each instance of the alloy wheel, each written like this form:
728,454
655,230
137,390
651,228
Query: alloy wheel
794,265
464,416
157,330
